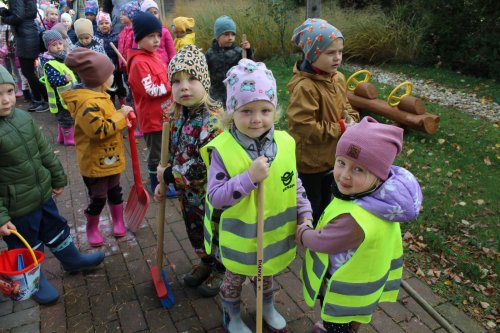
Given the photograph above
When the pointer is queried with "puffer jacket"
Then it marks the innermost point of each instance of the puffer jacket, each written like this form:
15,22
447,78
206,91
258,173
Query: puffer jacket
29,169
21,16
219,61
98,132
317,102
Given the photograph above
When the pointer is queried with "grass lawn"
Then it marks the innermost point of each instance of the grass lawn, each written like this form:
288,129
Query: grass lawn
454,244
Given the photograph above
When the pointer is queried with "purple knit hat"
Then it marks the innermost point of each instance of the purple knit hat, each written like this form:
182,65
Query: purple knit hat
372,145
247,82
314,36
131,8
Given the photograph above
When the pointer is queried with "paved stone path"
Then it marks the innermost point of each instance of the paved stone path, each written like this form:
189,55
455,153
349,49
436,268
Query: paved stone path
119,295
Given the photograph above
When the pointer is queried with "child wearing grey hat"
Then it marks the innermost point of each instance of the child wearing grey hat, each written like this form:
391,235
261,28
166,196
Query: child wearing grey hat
223,55
318,111
57,77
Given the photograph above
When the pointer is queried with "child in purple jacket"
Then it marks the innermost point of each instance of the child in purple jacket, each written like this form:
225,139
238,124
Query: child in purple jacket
354,257
250,152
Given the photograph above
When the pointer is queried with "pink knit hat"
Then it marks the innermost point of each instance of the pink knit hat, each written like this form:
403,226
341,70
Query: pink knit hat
102,16
247,82
372,145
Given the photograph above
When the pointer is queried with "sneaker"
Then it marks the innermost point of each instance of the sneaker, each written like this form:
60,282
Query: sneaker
210,287
42,107
197,275
33,106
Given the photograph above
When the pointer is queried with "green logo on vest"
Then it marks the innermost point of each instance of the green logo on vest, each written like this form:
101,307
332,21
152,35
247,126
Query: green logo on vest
287,180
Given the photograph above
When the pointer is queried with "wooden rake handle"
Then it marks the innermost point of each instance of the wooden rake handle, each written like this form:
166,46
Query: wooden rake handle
243,51
118,53
260,256
165,138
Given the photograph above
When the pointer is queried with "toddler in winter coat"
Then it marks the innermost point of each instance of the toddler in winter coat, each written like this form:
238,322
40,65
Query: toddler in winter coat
51,17
166,49
91,9
249,154
148,80
318,111
193,124
31,176
99,140
223,55
182,28
126,39
57,78
354,257
86,38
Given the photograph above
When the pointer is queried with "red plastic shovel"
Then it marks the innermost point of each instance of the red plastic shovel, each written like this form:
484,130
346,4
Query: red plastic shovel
138,199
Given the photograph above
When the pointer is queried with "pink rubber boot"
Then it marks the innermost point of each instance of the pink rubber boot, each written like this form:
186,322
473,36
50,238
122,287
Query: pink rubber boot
93,234
69,136
116,211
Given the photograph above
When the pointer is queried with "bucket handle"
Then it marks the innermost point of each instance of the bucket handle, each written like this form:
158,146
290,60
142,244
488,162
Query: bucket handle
26,244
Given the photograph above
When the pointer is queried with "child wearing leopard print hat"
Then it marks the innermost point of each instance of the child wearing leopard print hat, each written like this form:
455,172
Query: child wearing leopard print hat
193,125
248,153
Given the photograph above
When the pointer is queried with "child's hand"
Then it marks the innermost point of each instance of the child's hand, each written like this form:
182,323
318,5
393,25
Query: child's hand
159,195
259,170
125,109
4,230
245,45
57,191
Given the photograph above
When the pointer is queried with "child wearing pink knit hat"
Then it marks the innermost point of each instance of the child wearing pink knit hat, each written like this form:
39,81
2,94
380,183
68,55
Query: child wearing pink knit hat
354,257
248,153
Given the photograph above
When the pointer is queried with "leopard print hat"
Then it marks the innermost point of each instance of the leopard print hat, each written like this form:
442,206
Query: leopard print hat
191,60
247,82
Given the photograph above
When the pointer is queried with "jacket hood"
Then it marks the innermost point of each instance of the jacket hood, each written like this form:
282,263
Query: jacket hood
398,199
299,75
77,97
133,53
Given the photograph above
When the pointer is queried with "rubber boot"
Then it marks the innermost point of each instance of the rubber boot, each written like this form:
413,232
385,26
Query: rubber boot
93,234
46,293
273,319
19,88
72,259
116,211
231,317
60,135
69,136
153,179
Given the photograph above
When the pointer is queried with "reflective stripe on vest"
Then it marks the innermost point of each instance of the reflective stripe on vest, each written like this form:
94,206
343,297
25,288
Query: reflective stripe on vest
238,227
51,94
372,274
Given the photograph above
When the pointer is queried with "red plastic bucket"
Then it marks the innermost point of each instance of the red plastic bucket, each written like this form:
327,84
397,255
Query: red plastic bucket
20,284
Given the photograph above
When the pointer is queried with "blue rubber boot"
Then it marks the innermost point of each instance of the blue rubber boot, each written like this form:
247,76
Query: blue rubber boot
46,293
72,259
153,179
231,317
273,319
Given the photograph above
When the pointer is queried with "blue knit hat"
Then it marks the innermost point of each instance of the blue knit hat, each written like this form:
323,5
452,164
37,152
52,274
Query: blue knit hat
91,7
314,36
224,24
145,23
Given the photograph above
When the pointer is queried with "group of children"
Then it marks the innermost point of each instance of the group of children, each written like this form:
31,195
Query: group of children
218,157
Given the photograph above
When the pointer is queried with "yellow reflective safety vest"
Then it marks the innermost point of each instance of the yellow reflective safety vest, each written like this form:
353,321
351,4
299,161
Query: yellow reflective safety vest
62,69
237,230
371,275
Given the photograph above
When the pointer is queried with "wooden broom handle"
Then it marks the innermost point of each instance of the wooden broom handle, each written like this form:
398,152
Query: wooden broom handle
165,137
118,53
260,256
243,51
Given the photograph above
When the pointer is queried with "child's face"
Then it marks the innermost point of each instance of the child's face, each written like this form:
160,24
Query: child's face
85,39
330,59
151,42
66,23
7,99
124,19
90,16
352,178
56,47
52,15
104,26
155,12
255,118
187,90
226,39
